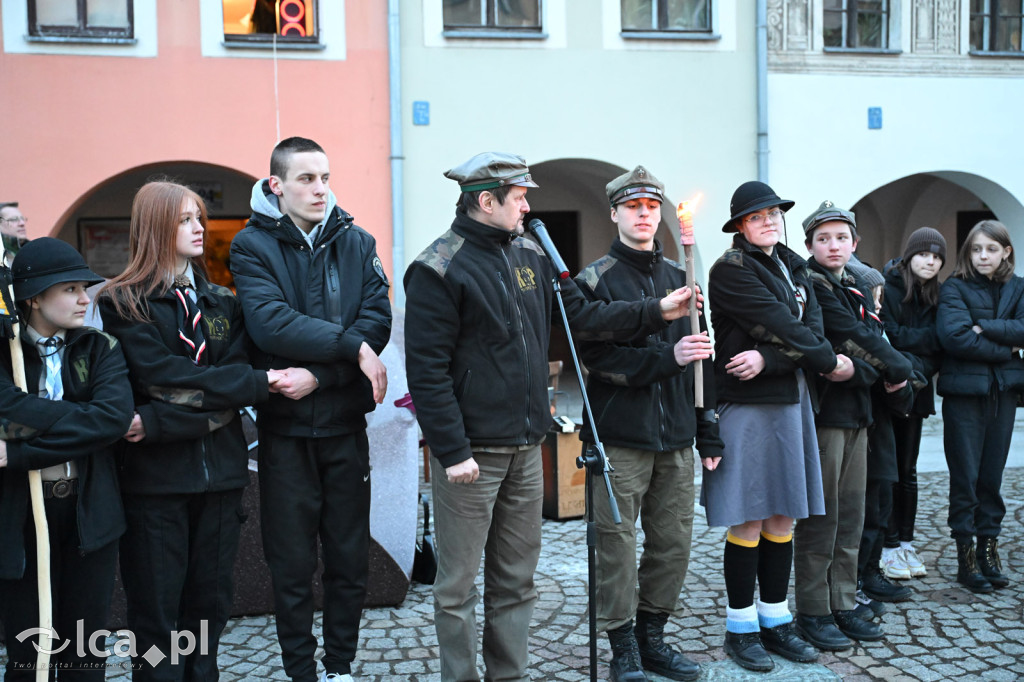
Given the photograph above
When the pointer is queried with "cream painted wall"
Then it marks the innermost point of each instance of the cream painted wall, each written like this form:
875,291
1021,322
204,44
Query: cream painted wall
688,115
821,146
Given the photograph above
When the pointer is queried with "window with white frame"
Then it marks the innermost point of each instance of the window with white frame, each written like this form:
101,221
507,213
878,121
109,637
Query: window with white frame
857,24
996,25
263,21
680,16
492,15
73,19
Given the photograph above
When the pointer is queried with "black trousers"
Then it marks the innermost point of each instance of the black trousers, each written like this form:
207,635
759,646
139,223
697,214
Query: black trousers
977,432
81,585
877,509
904,491
313,487
177,560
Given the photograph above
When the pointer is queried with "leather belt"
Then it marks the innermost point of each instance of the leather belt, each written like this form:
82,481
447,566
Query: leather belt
60,488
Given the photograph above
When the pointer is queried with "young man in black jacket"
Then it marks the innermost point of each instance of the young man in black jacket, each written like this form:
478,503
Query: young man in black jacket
315,297
478,322
826,547
642,393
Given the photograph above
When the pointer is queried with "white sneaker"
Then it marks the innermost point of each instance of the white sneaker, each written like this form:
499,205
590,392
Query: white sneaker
893,565
913,563
336,677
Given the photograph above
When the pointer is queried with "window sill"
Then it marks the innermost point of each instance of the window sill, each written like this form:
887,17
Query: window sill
861,50
494,34
697,36
998,55
82,40
269,45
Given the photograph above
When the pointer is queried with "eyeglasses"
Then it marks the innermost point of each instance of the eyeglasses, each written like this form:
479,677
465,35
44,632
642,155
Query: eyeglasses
14,219
758,218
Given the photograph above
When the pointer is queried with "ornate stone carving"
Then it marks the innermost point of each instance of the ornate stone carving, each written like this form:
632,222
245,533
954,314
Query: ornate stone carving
935,27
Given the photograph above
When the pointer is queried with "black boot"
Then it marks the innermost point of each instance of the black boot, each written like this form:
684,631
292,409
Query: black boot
655,654
625,664
989,563
968,574
746,649
880,588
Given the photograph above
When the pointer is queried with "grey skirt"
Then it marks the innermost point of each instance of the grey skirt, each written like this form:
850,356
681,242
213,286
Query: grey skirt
770,464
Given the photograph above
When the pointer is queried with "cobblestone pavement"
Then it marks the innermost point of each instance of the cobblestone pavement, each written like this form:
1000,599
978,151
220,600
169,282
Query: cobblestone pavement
943,633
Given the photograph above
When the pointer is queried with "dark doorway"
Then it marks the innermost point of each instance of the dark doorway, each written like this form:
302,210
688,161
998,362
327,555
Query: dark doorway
965,220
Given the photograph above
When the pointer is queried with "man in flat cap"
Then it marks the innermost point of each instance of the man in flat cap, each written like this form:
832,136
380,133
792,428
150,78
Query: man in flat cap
648,437
478,320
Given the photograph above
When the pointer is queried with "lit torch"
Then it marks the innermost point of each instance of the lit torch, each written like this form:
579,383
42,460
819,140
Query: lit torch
686,238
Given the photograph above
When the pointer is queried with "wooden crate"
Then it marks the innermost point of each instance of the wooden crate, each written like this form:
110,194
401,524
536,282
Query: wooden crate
564,484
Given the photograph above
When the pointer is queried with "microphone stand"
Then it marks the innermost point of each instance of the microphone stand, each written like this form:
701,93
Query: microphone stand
596,464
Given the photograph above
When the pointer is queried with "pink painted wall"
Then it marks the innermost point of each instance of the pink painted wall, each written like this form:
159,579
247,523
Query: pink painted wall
73,122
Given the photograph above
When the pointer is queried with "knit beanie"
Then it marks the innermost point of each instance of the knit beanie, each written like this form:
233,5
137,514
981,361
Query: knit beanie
865,275
925,240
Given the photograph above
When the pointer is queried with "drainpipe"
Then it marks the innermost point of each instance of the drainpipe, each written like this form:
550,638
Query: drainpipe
397,155
762,91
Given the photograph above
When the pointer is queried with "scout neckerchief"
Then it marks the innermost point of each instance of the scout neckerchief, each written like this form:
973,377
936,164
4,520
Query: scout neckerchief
190,331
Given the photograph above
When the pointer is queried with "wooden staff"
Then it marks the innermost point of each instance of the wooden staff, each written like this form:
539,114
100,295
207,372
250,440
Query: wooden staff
35,488
685,214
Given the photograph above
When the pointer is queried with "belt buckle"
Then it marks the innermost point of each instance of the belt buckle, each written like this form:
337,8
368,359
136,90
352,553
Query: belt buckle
62,488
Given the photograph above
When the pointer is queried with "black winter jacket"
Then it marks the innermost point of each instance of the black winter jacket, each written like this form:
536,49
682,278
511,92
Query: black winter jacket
911,329
478,322
194,441
85,426
313,309
978,364
754,308
640,397
853,332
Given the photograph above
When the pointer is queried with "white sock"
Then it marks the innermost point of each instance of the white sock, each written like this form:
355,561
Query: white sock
906,545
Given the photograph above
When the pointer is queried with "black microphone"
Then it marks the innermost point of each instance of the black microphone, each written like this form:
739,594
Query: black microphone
536,227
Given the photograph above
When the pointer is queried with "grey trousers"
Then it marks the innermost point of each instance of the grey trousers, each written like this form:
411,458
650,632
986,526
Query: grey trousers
825,547
497,517
657,487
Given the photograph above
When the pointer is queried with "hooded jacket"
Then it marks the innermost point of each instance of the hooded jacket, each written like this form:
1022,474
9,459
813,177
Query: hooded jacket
640,397
85,426
313,308
477,327
194,441
977,364
753,307
911,329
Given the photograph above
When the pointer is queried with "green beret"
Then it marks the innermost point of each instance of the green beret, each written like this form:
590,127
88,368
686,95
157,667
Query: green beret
828,212
489,170
633,185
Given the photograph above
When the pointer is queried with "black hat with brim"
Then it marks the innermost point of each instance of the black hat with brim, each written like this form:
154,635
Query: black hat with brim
46,261
753,196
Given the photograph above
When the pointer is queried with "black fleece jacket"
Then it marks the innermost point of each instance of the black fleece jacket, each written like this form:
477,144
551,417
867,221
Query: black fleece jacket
977,364
85,427
194,441
478,322
753,307
313,308
911,328
640,397
847,404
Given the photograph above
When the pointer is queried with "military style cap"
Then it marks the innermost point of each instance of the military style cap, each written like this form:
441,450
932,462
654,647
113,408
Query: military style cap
826,212
489,170
633,185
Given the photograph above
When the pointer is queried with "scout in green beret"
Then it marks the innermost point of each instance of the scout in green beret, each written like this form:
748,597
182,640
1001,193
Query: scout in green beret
649,436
